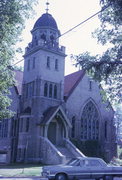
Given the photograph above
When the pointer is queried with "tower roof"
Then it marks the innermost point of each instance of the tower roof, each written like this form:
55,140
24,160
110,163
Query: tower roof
46,20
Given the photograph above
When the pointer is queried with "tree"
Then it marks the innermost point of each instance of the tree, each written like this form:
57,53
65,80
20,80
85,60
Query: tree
107,68
118,121
12,17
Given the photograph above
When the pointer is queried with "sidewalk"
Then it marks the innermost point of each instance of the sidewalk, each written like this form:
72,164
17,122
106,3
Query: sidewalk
20,171
23,178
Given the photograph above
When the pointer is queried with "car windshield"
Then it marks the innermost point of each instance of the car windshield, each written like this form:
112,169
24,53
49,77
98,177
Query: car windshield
73,162
86,162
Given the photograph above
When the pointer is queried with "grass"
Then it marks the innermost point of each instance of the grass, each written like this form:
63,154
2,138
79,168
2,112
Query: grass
20,170
119,150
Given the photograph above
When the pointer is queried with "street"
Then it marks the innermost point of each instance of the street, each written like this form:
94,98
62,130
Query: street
37,178
17,178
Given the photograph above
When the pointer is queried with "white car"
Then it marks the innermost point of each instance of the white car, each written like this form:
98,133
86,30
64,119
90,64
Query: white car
82,168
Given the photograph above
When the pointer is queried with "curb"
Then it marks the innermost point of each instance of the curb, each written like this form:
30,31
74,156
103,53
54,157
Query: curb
31,177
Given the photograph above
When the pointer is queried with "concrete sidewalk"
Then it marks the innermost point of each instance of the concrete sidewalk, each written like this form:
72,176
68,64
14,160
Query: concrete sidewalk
23,178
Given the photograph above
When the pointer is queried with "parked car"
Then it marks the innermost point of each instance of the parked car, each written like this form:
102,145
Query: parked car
82,168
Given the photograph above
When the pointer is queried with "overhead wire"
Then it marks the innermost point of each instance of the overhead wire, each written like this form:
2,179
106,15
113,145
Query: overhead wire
72,28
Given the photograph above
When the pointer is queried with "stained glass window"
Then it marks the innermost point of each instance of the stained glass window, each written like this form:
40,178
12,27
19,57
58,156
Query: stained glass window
45,89
90,122
50,90
4,128
55,92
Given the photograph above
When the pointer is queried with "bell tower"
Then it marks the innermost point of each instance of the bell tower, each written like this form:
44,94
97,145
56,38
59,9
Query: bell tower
43,84
44,64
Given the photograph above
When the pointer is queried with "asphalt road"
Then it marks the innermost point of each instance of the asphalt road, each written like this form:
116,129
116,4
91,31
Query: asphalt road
38,178
17,178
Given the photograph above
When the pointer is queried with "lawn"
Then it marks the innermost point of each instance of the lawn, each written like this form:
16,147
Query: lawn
20,170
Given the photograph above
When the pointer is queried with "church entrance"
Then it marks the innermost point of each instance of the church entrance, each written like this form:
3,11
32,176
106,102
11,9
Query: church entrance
56,131
55,125
52,132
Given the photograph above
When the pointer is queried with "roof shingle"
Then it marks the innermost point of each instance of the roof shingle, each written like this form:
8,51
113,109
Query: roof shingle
71,81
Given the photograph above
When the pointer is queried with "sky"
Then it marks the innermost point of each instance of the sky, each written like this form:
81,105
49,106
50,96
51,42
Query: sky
69,13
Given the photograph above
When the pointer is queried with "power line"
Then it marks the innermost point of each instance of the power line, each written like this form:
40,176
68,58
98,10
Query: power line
18,62
73,28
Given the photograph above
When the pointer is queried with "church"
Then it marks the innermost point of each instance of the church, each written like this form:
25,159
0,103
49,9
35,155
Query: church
52,109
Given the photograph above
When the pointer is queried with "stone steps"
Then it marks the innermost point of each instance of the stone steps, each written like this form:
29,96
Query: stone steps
64,151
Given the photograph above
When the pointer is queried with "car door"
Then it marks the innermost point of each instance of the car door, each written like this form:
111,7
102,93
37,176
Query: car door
85,169
79,170
97,170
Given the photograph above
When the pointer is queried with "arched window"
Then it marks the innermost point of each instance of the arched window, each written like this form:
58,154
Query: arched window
56,64
52,39
33,65
55,91
28,65
90,122
4,128
106,130
48,62
27,110
90,85
50,90
21,125
73,127
27,125
45,89
43,36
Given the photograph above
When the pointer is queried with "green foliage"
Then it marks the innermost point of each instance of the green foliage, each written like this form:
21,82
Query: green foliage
19,68
107,68
116,8
119,149
118,122
12,17
89,148
116,161
21,170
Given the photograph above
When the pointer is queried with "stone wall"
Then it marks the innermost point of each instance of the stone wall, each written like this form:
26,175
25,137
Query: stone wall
49,154
73,149
75,104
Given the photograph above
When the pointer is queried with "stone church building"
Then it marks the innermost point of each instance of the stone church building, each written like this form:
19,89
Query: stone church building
52,108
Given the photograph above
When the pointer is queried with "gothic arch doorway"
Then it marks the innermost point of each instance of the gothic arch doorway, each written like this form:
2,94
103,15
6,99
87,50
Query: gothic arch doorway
56,131
52,132
55,125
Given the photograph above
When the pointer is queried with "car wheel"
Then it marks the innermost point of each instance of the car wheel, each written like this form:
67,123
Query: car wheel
108,178
61,176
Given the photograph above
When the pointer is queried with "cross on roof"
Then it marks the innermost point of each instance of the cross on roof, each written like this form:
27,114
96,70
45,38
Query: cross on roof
47,4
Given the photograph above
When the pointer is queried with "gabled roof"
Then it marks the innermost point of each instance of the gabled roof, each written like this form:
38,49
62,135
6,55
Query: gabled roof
18,78
48,114
71,81
51,113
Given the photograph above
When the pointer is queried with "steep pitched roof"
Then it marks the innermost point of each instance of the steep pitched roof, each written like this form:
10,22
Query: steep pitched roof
48,114
51,112
71,81
18,78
